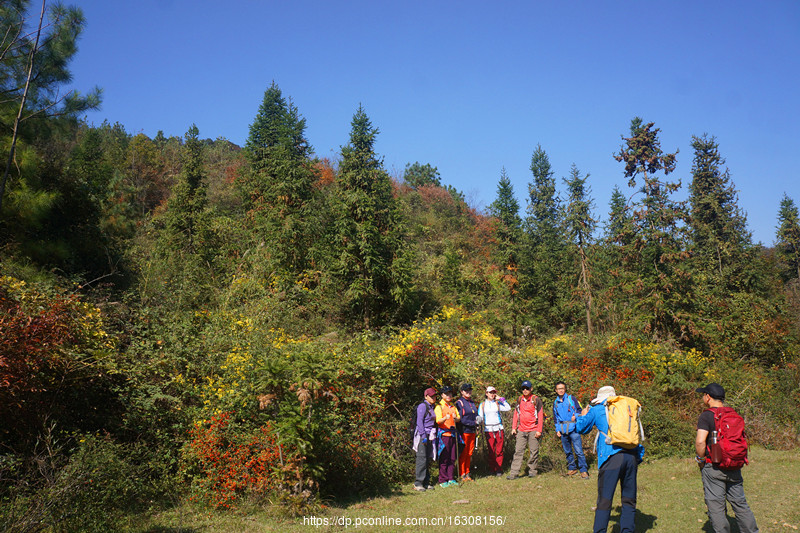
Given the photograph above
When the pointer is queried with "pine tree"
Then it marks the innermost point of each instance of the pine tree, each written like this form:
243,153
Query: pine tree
788,238
188,201
368,229
719,228
580,224
655,281
183,242
505,209
727,270
544,249
34,61
416,175
279,183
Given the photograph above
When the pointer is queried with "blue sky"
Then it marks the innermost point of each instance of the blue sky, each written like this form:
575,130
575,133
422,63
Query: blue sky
472,86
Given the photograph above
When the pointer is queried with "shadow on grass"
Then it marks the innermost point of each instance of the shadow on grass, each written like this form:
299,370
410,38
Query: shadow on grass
733,526
345,500
644,522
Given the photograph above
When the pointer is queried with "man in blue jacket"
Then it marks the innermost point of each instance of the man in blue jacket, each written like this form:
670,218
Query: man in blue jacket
565,412
615,464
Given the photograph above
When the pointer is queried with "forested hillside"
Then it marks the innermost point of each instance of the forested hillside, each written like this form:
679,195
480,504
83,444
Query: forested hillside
184,317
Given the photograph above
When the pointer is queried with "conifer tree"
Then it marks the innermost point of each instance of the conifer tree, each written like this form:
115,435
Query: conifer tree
505,209
188,201
580,224
368,230
788,238
35,52
543,257
183,240
279,182
416,175
719,228
656,281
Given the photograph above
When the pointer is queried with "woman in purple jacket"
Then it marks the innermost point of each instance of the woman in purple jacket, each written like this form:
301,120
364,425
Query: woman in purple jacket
425,440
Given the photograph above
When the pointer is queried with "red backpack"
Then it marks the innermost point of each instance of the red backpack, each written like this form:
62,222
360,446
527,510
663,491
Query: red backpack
731,447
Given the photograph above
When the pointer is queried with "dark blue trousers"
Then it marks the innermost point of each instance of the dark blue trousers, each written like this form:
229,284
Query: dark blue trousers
620,467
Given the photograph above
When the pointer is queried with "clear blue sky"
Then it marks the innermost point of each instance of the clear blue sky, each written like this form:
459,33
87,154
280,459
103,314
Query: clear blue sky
470,86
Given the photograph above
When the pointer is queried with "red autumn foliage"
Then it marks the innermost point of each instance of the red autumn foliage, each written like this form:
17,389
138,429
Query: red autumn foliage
32,344
232,462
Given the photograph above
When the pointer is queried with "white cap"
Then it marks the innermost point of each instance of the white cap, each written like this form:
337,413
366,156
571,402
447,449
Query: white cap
490,389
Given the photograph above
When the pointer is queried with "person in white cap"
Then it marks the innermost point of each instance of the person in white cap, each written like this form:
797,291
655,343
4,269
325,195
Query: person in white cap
489,413
615,465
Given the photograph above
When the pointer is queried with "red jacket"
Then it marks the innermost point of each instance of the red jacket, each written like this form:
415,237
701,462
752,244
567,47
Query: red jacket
529,414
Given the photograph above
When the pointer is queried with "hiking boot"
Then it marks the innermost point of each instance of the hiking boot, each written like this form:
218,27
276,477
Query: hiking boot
571,472
498,474
585,475
533,474
511,476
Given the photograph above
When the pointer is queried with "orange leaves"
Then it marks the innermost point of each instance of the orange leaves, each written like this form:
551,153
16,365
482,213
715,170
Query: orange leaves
232,461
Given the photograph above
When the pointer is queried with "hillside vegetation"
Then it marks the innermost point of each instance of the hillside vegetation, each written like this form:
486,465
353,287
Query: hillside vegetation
184,321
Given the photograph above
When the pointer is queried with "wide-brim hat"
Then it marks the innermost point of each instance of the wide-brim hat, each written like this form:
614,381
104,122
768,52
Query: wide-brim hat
603,393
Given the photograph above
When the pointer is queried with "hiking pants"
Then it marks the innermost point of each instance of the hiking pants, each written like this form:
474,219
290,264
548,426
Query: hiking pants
620,467
465,459
494,448
423,471
572,441
447,459
525,438
720,485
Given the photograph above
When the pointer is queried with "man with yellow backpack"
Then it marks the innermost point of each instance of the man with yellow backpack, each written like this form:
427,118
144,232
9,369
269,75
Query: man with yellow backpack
619,452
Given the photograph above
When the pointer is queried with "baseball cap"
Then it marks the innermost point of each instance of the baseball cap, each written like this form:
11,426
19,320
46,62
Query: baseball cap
714,390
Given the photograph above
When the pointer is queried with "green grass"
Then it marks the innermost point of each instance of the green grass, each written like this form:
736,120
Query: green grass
670,499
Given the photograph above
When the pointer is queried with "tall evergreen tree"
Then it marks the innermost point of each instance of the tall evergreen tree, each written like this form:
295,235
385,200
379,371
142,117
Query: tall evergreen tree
580,224
279,182
727,270
656,280
188,201
543,256
505,209
618,228
182,238
368,229
719,228
788,238
35,52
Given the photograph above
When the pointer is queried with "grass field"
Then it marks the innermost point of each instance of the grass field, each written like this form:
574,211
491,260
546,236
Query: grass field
670,499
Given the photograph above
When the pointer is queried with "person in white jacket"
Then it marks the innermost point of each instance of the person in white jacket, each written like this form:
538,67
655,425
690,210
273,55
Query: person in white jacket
489,414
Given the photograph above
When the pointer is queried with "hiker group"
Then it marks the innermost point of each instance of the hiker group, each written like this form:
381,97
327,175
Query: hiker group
446,431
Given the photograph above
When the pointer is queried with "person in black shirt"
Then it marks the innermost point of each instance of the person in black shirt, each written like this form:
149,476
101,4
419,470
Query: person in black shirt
718,484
